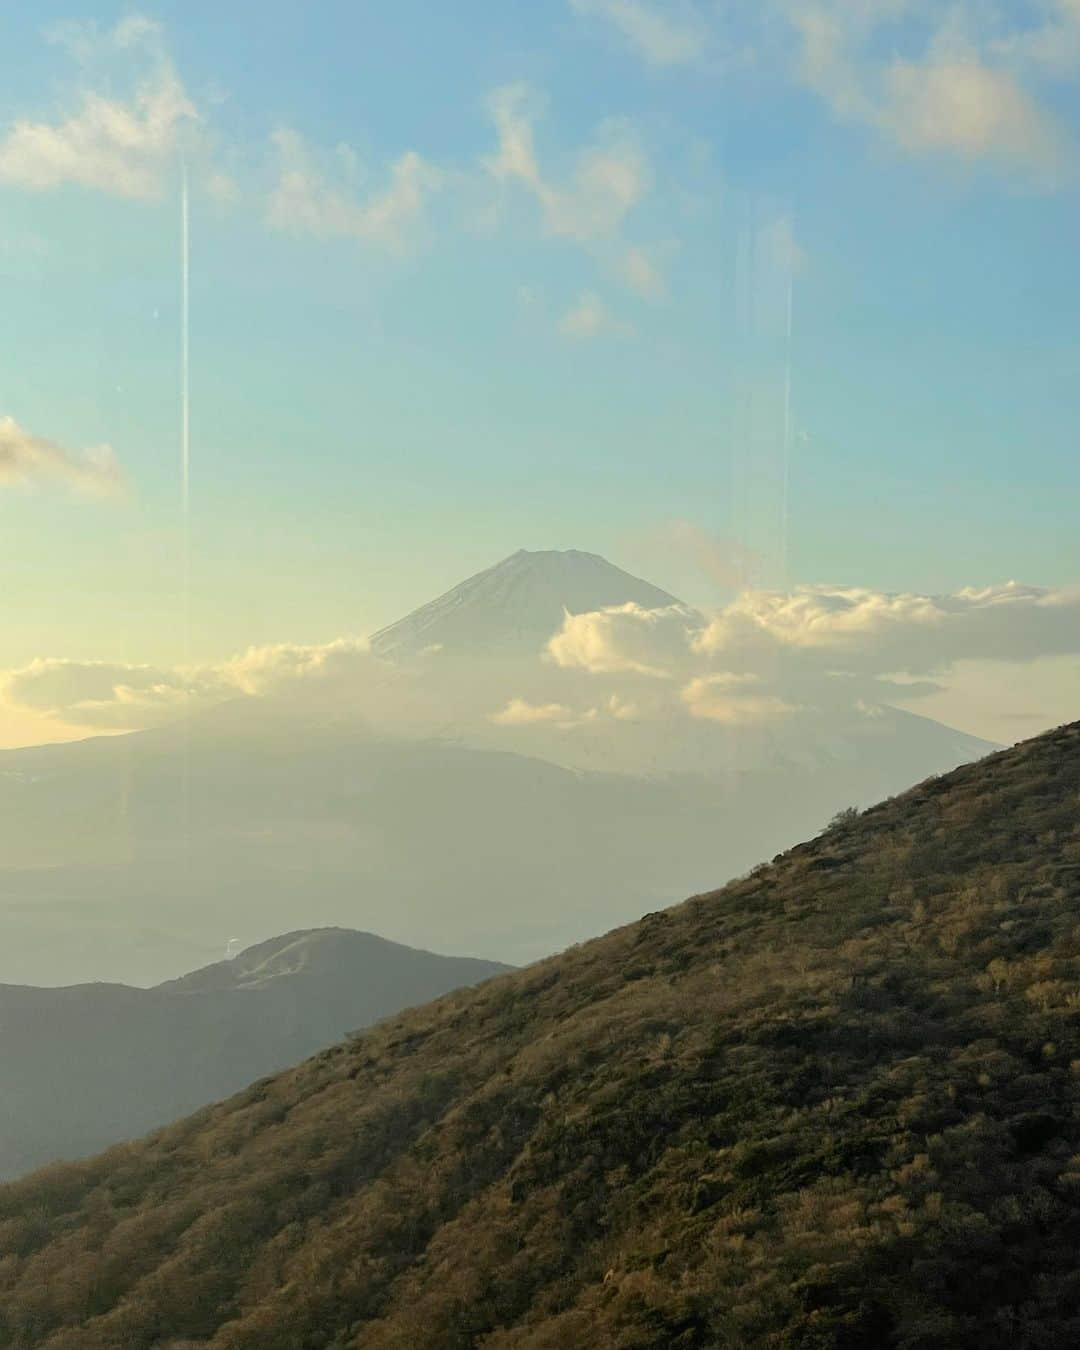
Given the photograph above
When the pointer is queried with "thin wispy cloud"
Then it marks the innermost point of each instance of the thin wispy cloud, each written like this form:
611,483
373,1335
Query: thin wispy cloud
640,270
662,34
32,460
608,178
306,201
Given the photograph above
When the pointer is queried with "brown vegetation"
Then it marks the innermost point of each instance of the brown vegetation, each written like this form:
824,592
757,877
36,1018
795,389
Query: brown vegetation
832,1105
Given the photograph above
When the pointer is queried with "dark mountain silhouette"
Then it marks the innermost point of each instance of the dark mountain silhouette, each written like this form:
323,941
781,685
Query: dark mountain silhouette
834,1104
88,1065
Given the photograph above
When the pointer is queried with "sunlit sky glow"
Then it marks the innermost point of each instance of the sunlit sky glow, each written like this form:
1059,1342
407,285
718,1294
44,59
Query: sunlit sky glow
466,279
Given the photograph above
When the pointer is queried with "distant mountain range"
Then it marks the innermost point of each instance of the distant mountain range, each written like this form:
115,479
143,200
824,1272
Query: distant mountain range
831,1105
89,1065
134,858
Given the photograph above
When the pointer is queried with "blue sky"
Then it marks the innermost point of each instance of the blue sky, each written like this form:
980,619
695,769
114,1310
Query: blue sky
397,380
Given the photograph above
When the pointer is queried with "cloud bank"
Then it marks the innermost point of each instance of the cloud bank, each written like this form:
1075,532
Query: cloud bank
122,696
767,654
763,661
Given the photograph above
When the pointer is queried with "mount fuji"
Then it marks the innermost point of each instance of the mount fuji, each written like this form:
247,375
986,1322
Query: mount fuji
516,605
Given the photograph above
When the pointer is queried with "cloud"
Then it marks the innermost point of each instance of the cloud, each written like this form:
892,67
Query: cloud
640,271
662,36
626,639
609,177
304,202
968,109
121,696
859,630
589,317
1051,49
519,712
962,97
769,655
106,695
622,709
725,562
28,459
123,147
734,701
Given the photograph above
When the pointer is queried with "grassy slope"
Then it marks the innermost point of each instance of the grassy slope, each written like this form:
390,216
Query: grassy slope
833,1104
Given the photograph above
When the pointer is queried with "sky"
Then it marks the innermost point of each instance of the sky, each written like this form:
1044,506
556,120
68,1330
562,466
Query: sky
734,294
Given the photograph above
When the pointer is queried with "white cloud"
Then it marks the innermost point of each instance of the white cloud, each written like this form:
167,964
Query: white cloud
968,109
29,459
304,202
589,317
770,655
608,179
123,147
519,712
865,631
668,35
962,97
118,695
626,639
734,701
767,658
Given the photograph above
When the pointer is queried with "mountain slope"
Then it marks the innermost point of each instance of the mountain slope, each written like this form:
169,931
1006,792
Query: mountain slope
516,605
833,1105
85,1066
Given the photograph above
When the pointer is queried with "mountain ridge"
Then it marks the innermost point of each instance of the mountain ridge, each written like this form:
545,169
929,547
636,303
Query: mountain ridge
833,1104
86,1065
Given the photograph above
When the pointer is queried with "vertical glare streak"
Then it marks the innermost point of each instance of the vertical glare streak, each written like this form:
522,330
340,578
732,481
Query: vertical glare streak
185,492
785,579
185,419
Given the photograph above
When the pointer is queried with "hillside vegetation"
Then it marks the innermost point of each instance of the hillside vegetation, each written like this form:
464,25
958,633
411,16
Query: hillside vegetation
831,1105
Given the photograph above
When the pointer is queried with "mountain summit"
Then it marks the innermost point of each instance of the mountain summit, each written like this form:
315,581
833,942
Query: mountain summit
86,1065
516,605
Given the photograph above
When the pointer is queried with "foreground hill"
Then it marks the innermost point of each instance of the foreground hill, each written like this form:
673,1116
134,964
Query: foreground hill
85,1066
831,1105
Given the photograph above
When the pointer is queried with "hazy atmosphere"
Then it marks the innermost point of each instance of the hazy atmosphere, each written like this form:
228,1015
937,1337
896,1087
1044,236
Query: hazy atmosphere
472,476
